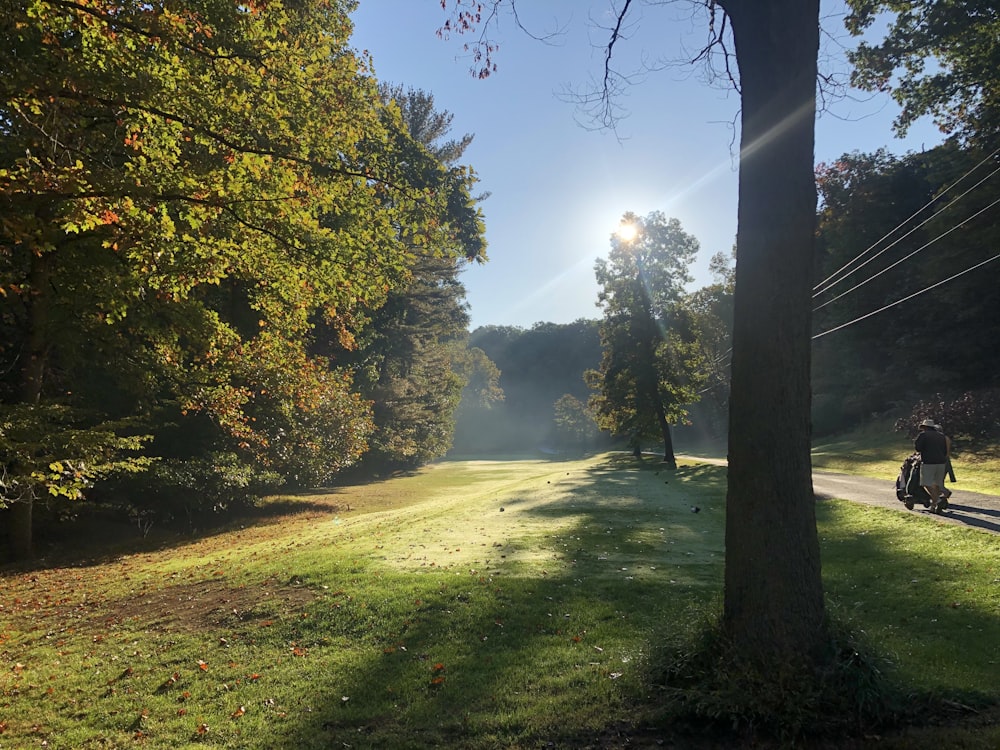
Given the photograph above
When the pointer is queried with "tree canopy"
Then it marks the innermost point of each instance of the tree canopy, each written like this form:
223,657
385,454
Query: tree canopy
938,58
186,193
650,366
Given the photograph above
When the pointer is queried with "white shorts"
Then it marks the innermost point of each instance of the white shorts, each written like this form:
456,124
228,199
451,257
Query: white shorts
932,475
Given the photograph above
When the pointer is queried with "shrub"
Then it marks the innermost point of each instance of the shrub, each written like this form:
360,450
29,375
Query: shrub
192,490
972,416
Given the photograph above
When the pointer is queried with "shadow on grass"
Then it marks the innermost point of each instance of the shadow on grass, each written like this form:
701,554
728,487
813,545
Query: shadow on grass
529,660
917,593
100,534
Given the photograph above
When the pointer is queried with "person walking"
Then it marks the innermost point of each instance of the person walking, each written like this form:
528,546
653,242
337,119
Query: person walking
933,449
949,472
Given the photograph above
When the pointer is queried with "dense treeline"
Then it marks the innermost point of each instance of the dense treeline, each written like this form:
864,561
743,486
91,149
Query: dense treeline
891,228
219,244
537,367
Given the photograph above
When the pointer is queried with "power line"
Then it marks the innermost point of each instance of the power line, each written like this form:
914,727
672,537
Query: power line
904,299
829,282
907,257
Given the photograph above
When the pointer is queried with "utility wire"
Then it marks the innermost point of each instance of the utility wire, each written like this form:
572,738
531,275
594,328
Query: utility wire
830,281
904,299
907,257
903,237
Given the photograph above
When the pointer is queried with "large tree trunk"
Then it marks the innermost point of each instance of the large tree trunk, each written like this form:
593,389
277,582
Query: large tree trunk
19,532
773,609
668,442
19,535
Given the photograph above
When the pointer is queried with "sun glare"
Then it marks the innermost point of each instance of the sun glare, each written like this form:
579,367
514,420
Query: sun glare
627,231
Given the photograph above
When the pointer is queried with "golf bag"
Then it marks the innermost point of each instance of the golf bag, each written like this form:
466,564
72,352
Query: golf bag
908,489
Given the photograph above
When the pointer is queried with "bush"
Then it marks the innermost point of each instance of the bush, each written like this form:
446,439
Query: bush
194,489
972,417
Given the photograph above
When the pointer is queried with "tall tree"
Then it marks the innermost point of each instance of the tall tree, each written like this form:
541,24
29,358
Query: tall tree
773,607
648,370
191,189
412,359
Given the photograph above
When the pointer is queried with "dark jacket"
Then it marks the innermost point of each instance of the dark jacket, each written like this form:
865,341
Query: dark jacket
932,447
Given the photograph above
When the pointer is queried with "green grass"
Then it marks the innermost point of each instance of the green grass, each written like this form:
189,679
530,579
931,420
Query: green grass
474,604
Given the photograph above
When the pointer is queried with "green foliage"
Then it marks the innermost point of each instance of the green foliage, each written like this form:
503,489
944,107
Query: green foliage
927,344
651,367
411,356
938,57
711,311
972,418
189,197
523,374
188,492
575,426
54,451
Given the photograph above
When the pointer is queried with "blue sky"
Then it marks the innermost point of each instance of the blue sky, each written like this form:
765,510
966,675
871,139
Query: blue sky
557,186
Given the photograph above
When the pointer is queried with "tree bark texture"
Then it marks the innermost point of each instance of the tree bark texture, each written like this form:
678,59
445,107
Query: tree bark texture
20,514
773,609
668,442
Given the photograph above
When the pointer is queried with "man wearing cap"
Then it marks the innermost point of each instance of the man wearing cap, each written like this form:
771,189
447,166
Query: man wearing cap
933,449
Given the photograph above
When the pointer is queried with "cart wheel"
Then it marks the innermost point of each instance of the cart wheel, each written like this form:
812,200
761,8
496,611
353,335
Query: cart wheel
908,502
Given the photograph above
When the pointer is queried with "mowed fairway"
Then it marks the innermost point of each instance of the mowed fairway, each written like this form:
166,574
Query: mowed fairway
478,604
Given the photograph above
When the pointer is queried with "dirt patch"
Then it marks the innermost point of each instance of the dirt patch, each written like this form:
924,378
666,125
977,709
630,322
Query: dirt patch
195,607
182,608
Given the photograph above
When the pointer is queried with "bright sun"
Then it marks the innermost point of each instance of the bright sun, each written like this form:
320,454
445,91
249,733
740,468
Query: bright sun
627,231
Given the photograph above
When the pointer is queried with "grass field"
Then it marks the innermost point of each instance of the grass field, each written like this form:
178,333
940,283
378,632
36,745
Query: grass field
472,604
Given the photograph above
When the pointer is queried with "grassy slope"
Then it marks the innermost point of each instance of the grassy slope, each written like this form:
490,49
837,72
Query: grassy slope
476,604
